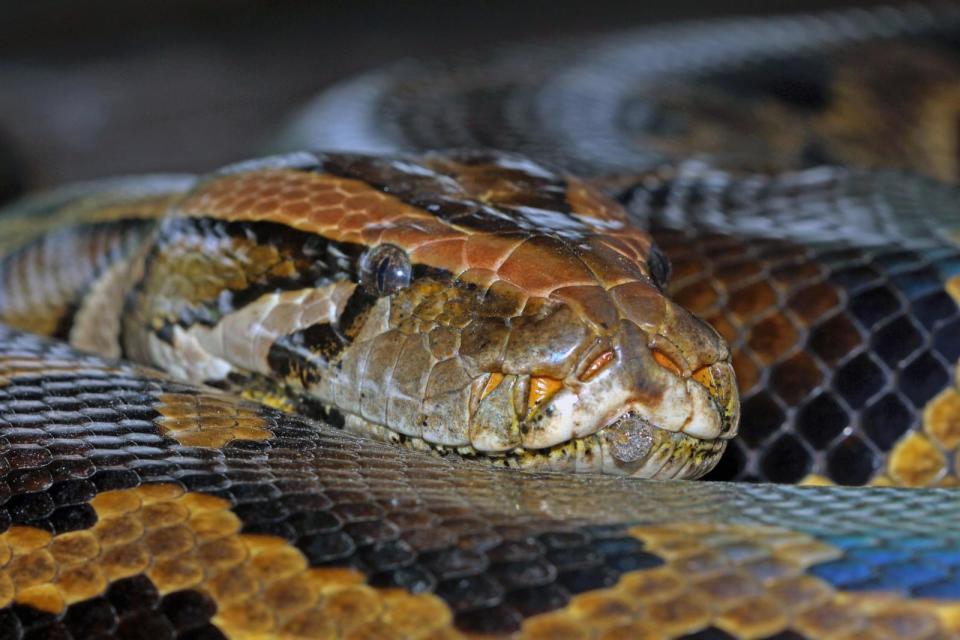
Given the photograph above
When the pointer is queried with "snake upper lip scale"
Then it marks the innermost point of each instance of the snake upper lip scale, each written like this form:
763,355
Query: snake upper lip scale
426,394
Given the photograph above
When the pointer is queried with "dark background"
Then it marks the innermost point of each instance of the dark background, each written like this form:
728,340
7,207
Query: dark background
93,88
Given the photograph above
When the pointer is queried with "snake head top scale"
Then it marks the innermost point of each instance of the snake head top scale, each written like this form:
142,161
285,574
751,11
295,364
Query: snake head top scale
475,303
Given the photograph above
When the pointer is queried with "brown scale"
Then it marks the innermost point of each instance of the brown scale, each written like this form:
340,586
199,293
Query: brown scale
785,314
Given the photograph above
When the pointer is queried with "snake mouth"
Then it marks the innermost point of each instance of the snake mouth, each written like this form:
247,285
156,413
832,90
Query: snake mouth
623,412
627,446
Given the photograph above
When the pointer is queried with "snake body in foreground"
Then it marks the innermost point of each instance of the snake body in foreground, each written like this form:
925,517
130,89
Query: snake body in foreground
383,386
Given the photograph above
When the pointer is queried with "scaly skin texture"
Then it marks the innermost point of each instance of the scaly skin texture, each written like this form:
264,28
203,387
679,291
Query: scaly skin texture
138,505
469,303
794,170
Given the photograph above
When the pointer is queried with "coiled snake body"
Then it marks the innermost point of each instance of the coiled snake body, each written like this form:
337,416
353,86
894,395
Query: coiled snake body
790,181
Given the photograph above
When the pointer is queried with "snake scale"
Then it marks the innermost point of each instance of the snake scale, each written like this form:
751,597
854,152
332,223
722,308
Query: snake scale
386,391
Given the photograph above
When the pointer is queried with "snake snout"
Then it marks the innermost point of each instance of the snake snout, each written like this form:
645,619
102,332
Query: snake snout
692,351
678,401
640,405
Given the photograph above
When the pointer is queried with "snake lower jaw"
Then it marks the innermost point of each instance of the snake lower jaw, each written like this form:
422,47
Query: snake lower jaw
636,448
628,446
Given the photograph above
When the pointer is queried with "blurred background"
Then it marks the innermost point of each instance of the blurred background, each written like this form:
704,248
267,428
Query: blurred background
101,87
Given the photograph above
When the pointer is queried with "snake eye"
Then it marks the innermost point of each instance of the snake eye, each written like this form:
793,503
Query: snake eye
384,270
659,267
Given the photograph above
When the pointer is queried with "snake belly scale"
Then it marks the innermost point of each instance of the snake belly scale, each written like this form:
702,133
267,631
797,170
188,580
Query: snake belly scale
422,394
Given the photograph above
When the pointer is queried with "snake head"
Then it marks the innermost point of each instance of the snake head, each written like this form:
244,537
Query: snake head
615,379
475,303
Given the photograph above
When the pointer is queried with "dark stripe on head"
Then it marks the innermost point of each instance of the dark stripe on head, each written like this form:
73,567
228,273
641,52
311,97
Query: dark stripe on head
354,314
303,260
304,354
484,191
